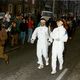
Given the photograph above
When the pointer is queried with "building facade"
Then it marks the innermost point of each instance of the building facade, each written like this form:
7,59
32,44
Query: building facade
31,6
16,6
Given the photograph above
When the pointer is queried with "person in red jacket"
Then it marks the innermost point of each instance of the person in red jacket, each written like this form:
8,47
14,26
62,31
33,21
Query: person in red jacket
30,28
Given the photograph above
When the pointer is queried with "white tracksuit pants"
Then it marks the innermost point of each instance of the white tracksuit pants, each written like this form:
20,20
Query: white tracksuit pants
42,50
57,53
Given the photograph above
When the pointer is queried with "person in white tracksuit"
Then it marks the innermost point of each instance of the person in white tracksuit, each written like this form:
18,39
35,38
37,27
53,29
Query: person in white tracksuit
58,36
41,33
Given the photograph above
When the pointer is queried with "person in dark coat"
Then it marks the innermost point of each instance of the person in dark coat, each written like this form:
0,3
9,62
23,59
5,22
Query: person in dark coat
3,38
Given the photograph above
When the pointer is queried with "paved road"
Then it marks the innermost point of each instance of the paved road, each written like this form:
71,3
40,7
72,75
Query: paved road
74,58
23,65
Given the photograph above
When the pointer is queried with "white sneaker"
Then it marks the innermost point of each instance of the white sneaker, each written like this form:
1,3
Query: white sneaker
40,66
53,72
61,67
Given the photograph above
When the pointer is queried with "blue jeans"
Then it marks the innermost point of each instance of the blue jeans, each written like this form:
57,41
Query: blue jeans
29,34
22,37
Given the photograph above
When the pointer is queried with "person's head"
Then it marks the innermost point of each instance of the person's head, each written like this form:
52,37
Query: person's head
59,23
42,22
14,24
17,16
24,20
29,18
7,12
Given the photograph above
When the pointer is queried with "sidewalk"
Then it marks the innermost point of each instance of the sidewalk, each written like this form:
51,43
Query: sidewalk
9,48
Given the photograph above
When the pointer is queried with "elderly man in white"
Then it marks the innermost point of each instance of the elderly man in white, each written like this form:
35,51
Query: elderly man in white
58,36
41,33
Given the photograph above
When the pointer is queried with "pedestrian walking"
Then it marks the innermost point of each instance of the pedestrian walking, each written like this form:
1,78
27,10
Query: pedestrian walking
22,32
14,34
58,36
41,33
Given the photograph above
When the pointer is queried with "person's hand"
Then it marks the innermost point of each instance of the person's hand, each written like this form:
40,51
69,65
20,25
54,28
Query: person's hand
32,41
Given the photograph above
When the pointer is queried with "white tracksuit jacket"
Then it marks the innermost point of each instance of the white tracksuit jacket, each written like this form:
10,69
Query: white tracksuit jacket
42,44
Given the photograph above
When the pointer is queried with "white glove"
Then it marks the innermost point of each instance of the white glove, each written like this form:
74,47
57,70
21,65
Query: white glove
32,41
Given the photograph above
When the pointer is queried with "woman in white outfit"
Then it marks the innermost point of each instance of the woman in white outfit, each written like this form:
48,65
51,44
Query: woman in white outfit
58,36
41,33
